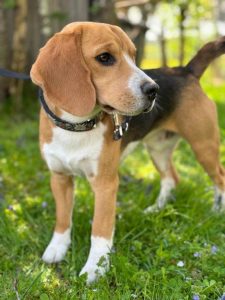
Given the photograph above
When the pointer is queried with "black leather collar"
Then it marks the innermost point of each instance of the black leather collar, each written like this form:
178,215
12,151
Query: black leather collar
119,130
76,127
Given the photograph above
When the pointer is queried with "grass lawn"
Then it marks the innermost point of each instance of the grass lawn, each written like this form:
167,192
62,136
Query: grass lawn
175,254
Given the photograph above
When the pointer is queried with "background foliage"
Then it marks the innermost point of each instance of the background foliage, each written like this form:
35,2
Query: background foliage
177,254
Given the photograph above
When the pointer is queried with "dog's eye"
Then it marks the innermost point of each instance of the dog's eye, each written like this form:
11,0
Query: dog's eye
106,59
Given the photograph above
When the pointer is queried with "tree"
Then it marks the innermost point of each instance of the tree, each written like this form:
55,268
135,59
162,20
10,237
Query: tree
103,11
19,48
183,9
34,37
7,14
2,52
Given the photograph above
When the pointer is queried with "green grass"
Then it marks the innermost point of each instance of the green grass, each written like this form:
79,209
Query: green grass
147,247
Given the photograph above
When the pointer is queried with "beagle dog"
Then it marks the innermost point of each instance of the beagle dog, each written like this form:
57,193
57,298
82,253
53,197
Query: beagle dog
87,75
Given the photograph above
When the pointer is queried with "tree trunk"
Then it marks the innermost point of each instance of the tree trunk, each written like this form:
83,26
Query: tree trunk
34,38
78,10
7,20
56,15
103,11
9,16
162,42
2,53
139,42
19,49
64,12
140,39
183,10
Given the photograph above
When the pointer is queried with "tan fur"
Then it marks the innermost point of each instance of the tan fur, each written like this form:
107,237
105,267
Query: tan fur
196,121
62,189
110,83
45,129
105,186
63,75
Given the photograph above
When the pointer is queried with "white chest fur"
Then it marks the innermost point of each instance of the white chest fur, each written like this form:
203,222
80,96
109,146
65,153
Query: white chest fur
75,153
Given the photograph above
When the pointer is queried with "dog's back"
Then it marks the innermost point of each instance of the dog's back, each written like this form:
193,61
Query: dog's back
172,82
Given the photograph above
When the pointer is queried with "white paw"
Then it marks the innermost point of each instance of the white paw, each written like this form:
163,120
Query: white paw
95,269
219,203
161,202
167,185
98,259
151,209
54,254
57,247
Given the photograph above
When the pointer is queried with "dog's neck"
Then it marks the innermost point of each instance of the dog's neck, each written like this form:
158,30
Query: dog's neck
74,119
68,121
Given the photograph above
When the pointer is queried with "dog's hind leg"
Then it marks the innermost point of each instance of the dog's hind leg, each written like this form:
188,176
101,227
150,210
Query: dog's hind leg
62,188
207,153
160,145
200,129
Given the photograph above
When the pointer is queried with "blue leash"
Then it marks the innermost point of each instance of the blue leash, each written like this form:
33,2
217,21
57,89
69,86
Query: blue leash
12,74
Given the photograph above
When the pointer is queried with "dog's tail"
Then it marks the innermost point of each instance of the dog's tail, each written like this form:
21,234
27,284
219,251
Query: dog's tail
198,64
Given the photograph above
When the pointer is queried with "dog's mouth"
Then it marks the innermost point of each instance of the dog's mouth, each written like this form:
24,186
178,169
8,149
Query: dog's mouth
150,106
108,109
111,110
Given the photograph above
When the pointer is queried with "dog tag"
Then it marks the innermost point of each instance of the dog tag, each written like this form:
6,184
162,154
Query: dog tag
118,131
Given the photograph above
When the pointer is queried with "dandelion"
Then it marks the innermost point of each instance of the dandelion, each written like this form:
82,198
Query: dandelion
196,297
180,264
214,249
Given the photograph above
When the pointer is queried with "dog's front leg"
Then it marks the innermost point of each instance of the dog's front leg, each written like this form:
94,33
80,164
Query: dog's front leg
105,190
62,189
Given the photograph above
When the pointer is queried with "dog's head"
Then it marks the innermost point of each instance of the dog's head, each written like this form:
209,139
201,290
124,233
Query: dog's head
89,62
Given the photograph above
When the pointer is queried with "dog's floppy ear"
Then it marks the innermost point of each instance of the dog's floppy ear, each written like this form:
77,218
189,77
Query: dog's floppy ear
127,44
60,70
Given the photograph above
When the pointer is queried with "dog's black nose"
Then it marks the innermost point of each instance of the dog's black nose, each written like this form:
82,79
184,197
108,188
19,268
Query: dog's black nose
150,89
